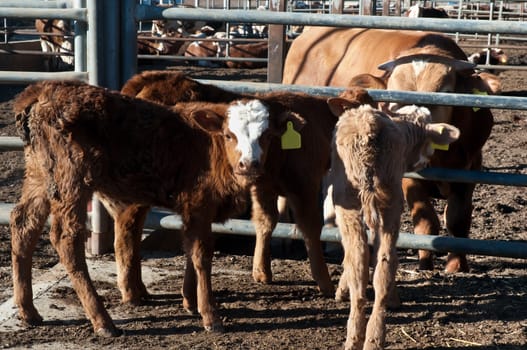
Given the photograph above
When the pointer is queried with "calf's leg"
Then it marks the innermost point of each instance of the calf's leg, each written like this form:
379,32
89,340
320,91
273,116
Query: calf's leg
308,218
199,247
424,217
128,226
356,271
67,234
265,218
458,217
27,222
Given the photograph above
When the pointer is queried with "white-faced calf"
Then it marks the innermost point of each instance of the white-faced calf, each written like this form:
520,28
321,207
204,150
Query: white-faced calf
81,139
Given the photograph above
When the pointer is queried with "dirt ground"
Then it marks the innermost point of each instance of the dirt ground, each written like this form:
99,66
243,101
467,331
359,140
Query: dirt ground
483,309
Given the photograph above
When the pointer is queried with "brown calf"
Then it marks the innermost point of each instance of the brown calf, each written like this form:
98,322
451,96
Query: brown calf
284,171
371,152
82,139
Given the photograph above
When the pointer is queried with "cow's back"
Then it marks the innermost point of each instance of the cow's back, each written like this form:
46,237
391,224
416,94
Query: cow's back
327,56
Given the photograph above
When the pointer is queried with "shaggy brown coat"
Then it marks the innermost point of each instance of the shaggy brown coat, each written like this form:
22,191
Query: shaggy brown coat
82,139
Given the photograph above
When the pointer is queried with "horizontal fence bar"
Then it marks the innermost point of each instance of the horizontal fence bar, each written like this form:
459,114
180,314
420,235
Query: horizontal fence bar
470,176
10,143
164,219
428,98
144,12
15,77
511,249
36,3
73,14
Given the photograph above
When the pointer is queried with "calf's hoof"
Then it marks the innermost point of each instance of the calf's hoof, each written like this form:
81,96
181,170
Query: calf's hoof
456,263
30,317
426,263
216,327
108,332
260,276
342,294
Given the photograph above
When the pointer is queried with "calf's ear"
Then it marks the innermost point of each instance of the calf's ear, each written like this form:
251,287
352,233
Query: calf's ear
442,133
285,117
208,120
338,105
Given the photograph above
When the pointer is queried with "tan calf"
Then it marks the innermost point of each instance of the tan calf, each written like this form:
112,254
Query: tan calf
371,151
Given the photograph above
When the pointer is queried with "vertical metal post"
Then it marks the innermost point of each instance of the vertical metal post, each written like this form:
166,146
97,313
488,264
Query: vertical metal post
101,238
128,40
276,53
337,6
80,40
110,11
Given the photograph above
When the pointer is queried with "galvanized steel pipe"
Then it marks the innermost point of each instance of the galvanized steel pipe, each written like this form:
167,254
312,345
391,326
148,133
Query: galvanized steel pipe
510,249
74,14
145,12
421,98
15,77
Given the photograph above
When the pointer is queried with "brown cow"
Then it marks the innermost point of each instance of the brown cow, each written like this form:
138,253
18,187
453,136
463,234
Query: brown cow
284,171
56,42
418,61
81,139
207,48
416,11
371,151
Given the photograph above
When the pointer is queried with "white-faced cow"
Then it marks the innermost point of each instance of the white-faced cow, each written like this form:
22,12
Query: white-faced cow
412,61
81,139
416,11
371,151
56,38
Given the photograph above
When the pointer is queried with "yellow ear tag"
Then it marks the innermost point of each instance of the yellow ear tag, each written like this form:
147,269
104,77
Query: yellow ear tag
478,92
291,138
438,146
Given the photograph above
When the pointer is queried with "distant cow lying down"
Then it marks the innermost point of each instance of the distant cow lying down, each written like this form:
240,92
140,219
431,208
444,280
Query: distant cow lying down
81,139
371,151
284,171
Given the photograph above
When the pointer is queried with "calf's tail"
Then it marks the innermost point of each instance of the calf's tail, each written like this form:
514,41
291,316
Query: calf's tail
23,104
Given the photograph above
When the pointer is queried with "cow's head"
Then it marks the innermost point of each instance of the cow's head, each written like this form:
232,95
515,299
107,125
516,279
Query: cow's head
426,69
247,127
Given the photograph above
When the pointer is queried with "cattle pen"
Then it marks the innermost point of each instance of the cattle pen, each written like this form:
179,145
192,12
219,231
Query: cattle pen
119,63
89,67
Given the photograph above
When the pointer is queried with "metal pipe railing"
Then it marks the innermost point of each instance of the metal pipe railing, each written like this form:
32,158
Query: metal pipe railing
163,219
384,22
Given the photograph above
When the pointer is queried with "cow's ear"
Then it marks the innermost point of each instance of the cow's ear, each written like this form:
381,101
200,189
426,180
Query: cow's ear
481,83
338,105
387,66
208,120
442,133
285,117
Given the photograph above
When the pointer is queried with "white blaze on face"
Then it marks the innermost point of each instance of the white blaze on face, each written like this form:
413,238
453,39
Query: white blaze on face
248,120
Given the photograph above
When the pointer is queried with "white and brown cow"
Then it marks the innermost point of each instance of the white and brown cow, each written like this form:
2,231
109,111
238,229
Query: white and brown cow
56,38
411,61
371,152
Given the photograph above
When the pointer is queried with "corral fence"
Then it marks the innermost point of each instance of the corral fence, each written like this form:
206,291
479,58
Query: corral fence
105,54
